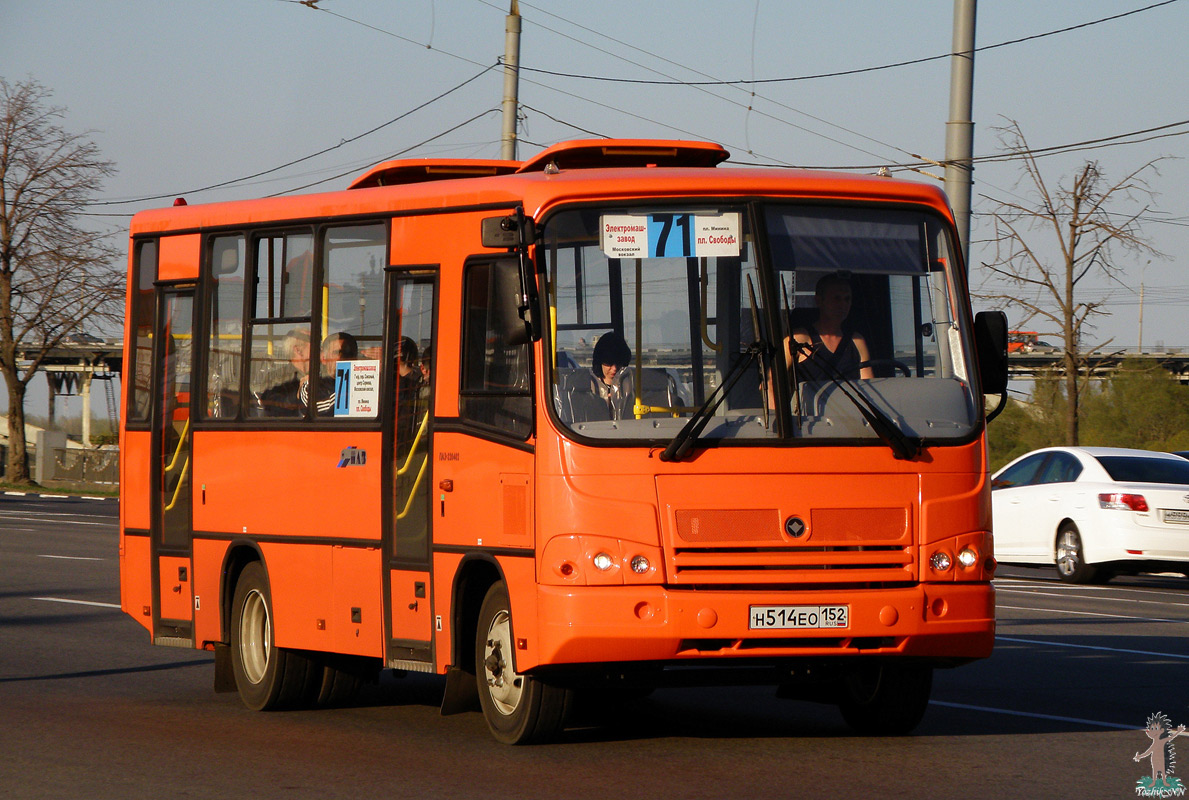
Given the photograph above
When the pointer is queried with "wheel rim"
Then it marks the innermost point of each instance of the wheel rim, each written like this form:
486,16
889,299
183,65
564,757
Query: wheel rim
255,636
504,685
1069,553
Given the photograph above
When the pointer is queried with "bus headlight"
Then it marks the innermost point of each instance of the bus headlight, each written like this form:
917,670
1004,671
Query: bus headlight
940,561
968,557
593,560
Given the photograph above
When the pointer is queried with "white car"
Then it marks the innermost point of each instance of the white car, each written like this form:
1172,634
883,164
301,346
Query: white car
1093,511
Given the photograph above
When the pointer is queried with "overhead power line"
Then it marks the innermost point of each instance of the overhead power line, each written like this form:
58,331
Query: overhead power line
1041,152
435,137
842,73
323,151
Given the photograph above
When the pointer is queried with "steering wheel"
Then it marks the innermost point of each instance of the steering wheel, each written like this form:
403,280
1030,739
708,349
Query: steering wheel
897,366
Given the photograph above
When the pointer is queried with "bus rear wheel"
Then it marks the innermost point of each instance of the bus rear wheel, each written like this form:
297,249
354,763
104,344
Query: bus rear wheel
886,699
519,709
267,677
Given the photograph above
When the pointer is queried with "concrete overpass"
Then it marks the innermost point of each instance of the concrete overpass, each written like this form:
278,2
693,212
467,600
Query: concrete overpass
1099,365
72,367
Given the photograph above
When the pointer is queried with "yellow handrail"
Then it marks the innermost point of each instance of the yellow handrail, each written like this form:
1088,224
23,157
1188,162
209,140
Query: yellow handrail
413,447
639,409
178,452
413,492
181,481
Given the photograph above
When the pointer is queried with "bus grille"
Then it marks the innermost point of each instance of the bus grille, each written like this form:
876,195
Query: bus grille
751,546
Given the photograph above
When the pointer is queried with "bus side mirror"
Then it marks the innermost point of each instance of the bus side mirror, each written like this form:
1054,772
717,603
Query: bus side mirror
990,342
510,305
506,231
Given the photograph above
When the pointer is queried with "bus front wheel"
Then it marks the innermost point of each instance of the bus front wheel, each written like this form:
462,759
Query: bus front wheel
267,677
886,699
519,709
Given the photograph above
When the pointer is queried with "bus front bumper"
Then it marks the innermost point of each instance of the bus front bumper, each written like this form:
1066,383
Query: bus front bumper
583,625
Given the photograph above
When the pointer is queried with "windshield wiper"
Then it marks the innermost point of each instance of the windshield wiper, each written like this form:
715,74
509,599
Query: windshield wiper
903,446
683,442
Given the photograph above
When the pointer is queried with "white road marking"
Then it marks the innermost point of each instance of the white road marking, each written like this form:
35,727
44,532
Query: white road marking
1092,614
1034,593
76,602
73,558
1091,647
1034,715
40,517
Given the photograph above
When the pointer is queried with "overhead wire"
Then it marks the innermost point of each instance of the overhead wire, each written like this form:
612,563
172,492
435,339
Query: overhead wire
701,85
296,161
856,71
915,165
436,136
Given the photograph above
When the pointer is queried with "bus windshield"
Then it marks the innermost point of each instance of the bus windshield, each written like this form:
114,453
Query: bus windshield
760,322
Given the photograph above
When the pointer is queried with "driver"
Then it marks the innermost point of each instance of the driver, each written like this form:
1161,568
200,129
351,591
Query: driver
827,348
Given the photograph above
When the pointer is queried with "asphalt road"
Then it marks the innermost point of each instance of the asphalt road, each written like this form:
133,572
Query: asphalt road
89,709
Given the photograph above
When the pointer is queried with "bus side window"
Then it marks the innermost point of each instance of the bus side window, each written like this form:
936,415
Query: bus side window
225,306
279,358
352,292
496,376
141,312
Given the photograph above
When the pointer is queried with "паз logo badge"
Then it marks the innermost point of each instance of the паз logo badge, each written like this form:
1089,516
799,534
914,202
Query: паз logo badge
1163,755
352,457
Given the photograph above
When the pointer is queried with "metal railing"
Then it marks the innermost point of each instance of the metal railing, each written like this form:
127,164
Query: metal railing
99,467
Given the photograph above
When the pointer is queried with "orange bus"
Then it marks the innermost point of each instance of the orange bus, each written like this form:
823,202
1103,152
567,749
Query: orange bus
549,427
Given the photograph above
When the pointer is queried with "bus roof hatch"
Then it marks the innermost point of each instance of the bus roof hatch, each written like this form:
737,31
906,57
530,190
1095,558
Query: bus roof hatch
603,153
421,170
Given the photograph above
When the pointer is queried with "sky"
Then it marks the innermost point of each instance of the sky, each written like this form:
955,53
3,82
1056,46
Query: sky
260,97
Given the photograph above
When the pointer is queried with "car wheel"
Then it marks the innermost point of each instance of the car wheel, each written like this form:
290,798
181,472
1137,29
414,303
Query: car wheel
1070,558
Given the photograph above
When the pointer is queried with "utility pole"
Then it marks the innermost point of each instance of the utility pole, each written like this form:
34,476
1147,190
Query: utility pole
1143,274
511,102
959,131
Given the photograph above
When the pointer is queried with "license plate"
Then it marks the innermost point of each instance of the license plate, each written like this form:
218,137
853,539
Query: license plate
798,617
1174,515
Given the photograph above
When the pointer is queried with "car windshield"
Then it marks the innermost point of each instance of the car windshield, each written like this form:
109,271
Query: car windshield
653,310
1138,469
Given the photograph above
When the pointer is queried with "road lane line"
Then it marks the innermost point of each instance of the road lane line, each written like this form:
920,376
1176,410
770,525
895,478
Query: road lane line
1091,647
41,517
73,558
1093,614
76,602
1034,715
1090,597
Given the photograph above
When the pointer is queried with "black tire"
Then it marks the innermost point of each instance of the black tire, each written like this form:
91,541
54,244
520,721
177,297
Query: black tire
1070,558
267,677
519,709
341,678
886,699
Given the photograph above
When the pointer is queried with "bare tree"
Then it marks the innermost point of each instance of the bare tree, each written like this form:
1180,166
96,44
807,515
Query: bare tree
1047,248
55,275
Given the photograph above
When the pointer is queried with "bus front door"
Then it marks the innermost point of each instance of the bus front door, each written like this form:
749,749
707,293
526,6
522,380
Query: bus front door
409,441
171,496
